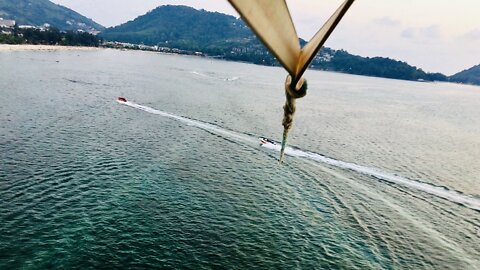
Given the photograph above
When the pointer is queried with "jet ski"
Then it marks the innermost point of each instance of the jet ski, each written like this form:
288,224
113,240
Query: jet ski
264,141
121,99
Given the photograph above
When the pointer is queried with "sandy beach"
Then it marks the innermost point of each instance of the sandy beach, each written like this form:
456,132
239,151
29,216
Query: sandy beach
28,47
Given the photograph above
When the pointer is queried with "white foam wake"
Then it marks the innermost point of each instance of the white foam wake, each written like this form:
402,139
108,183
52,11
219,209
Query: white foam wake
199,124
214,78
451,195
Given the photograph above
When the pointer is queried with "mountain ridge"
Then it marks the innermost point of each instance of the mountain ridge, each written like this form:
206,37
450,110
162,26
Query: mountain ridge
40,12
193,29
469,76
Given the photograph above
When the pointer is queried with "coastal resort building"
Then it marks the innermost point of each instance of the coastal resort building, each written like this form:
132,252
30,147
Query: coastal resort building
7,23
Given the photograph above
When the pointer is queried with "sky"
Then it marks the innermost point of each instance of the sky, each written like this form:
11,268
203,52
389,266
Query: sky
434,35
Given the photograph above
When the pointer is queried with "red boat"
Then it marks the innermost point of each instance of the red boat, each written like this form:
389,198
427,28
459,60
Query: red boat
264,141
121,99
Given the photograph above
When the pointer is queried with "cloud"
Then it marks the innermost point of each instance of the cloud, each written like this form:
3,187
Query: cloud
408,33
429,32
386,21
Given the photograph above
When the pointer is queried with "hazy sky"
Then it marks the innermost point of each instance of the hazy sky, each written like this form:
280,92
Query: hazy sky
435,35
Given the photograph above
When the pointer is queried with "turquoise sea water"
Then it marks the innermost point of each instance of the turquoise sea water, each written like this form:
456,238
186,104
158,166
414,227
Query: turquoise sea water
383,173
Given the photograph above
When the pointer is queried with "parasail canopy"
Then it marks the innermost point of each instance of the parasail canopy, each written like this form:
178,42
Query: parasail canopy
272,22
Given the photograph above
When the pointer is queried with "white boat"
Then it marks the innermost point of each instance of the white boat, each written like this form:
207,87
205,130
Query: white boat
264,141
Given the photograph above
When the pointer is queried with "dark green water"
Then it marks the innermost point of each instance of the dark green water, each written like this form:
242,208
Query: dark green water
88,183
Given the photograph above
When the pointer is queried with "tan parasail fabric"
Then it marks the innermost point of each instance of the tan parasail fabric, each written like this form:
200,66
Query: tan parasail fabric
271,21
313,46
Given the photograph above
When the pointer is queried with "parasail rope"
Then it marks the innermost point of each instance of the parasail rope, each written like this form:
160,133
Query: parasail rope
292,92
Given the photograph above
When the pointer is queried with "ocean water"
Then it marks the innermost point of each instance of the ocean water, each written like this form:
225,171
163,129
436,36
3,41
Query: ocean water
380,174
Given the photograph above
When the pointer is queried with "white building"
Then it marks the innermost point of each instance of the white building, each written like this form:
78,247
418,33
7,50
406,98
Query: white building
26,27
7,23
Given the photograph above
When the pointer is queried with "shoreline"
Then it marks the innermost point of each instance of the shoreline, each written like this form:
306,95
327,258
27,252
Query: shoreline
52,48
30,47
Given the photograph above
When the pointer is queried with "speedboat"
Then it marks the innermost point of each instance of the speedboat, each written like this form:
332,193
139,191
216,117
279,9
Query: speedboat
264,141
121,99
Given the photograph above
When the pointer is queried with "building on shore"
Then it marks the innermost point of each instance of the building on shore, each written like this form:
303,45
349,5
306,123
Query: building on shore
26,27
7,23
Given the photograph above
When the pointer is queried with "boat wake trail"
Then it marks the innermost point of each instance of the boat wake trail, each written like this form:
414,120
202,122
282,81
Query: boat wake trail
441,192
213,77
202,125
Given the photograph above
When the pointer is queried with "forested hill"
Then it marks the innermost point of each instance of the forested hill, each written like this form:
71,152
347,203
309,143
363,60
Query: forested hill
181,27
470,76
39,12
342,61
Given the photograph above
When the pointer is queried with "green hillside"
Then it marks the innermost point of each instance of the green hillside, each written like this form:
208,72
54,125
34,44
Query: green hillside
342,61
39,12
182,27
469,76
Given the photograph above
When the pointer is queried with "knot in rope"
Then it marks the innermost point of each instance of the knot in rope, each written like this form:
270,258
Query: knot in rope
292,92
